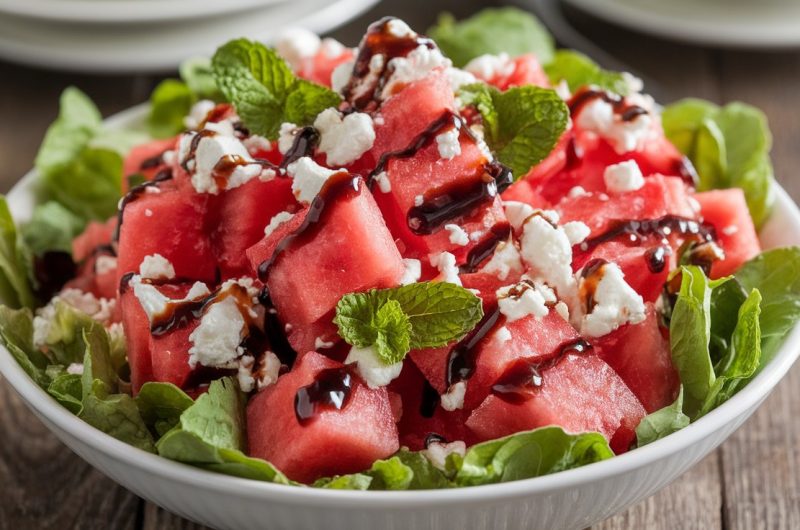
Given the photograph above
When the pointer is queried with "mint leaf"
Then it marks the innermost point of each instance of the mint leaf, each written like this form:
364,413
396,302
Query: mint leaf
579,71
438,312
729,147
530,454
161,405
393,332
170,102
210,435
662,422
52,227
264,90
67,390
494,30
198,75
522,125
15,290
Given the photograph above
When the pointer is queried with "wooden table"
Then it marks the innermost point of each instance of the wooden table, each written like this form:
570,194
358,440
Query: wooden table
752,481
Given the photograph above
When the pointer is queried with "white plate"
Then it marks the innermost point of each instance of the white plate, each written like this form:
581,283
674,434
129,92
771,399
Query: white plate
730,23
125,11
160,47
572,499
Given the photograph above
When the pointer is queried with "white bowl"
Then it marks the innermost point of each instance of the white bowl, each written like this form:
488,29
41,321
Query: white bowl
571,499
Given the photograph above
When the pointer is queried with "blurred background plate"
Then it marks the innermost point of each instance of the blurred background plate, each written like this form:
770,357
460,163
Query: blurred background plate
729,23
125,11
160,47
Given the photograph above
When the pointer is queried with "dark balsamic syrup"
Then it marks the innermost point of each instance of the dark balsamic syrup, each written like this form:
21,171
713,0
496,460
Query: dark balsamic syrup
275,332
430,400
434,438
461,361
637,230
330,390
591,274
584,96
656,258
485,248
305,141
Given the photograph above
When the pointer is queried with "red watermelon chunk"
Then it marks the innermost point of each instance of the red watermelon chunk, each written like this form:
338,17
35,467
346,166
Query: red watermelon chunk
170,223
350,251
244,212
146,159
524,70
736,234
334,441
319,68
580,393
641,356
137,339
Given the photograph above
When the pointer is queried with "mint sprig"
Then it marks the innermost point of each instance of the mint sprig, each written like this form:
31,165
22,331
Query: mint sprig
264,90
522,125
397,320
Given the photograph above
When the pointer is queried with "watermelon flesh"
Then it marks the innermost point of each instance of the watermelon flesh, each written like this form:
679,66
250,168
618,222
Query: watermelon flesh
360,433
146,160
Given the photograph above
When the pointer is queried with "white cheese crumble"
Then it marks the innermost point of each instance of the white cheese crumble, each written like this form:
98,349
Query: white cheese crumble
297,44
487,67
384,184
624,136
75,369
210,150
503,334
459,78
277,220
286,135
616,303
371,368
525,299
398,28
562,90
517,213
308,178
99,309
344,138
268,371
445,262
546,249
577,191
418,64
623,177
322,344
244,373
255,143
730,230
505,261
437,452
563,310
216,340
105,264
576,232
418,200
412,271
453,399
341,76
198,113
448,144
154,303
156,267
458,236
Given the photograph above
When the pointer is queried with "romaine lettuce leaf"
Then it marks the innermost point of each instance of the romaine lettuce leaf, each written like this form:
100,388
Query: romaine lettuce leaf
662,422
580,71
15,289
170,102
161,405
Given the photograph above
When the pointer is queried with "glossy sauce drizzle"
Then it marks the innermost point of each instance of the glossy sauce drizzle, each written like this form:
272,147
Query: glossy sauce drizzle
484,249
331,389
591,275
523,378
626,112
305,141
656,258
275,331
637,230
461,361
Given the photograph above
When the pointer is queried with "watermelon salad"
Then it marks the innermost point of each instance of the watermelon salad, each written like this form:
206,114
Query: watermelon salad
424,262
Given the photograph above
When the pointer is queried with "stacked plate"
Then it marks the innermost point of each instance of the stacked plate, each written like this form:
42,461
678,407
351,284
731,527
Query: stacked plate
113,36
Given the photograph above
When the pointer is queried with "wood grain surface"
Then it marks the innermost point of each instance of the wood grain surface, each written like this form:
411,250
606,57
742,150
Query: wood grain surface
751,482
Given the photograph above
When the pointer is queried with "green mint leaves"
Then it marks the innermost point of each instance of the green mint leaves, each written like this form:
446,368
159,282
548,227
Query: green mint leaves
579,71
397,320
521,125
264,90
729,146
494,31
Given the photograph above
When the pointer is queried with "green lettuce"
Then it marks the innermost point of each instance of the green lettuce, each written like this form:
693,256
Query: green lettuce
170,102
15,289
580,71
161,406
662,422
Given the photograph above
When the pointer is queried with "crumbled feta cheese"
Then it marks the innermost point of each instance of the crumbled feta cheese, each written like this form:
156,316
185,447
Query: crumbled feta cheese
286,135
332,48
297,44
488,67
577,191
459,78
502,334
308,178
340,76
322,344
624,136
616,303
169,157
449,144
634,83
730,230
437,452
198,113
277,220
476,235
562,90
154,303
384,184
418,64
563,310
268,371
524,299
105,264
398,28
419,200
505,261
255,143
576,232
517,213
156,267
75,369
453,399
546,249
222,128
693,204
216,340
622,177
344,138
371,368
210,150
446,264
412,271
245,373
148,212
99,309
458,236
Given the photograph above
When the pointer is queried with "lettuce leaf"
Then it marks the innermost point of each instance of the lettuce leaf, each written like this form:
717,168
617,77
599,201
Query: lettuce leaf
15,289
170,102
493,31
116,415
406,470
662,422
67,389
51,227
579,71
16,333
198,75
161,406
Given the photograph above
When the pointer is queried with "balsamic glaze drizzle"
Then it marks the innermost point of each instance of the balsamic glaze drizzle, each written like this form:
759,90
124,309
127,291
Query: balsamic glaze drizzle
485,248
637,230
656,258
430,400
584,96
331,389
461,361
275,331
305,141
434,438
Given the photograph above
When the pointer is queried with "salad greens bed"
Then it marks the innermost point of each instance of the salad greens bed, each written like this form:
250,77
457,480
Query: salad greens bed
722,332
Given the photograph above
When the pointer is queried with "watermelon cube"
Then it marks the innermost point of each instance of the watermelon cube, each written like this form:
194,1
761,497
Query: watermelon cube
137,339
736,234
579,393
335,441
146,160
